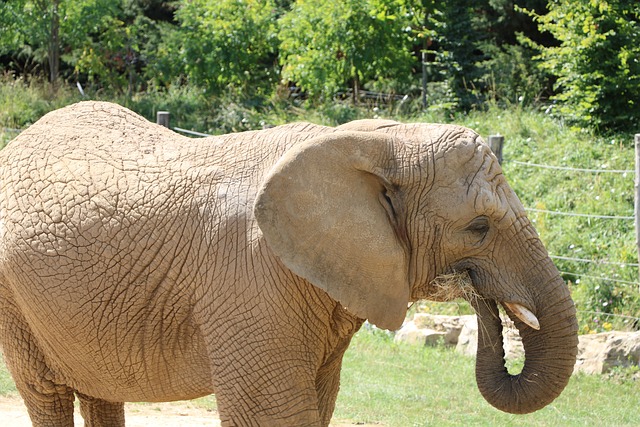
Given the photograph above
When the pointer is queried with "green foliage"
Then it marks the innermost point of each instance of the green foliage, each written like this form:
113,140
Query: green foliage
510,75
474,51
596,62
475,54
461,34
23,102
51,31
327,46
126,43
252,50
226,43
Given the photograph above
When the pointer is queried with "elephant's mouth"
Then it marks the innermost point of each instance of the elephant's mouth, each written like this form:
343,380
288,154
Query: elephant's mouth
511,307
460,284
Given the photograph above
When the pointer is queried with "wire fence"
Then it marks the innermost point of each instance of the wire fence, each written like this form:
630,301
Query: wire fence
594,261
632,218
565,168
602,278
191,132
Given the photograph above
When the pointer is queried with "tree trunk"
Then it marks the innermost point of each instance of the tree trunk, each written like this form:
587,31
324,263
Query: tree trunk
54,43
425,45
424,77
356,88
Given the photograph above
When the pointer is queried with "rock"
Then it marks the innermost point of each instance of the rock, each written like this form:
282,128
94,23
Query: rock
412,334
450,325
430,329
513,347
434,338
599,353
468,340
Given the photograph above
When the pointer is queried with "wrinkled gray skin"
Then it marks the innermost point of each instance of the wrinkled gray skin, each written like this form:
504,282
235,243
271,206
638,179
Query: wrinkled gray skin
139,265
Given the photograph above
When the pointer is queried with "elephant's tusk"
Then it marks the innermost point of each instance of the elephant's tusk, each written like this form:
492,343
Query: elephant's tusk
523,314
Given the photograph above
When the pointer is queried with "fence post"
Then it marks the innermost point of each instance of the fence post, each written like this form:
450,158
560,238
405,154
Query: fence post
162,118
637,201
496,142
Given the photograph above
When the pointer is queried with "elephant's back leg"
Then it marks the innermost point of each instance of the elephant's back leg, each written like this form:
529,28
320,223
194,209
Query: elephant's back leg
49,403
100,413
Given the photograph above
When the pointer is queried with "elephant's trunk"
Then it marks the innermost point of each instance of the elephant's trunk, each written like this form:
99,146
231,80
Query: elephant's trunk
550,353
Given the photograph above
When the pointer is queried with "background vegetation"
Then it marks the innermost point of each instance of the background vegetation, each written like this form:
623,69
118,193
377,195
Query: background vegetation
446,55
560,79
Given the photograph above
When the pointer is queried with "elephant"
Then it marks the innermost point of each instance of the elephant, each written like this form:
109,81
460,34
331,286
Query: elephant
137,264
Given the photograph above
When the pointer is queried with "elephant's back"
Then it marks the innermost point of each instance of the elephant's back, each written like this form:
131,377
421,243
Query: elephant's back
91,123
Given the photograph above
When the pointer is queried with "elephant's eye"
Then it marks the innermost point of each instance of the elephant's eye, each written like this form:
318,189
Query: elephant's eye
389,204
479,226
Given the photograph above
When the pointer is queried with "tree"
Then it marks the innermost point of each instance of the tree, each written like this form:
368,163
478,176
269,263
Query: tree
227,43
596,61
470,51
478,50
33,26
50,30
327,46
127,44
52,9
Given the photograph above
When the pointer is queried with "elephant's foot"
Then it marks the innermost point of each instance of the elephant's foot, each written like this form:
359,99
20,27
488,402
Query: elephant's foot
305,419
100,413
48,410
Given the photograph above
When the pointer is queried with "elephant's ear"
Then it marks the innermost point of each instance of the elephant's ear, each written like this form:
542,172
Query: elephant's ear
325,210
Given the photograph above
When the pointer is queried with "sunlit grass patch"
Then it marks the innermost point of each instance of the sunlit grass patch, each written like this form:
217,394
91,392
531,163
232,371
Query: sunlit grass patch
409,385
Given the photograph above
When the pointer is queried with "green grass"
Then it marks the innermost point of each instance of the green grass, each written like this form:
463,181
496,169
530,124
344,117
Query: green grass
7,386
408,385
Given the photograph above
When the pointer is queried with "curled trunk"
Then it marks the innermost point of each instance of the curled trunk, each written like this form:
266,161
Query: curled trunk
550,353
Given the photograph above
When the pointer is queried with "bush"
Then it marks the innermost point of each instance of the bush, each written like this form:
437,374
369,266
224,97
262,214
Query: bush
23,102
511,76
596,62
328,46
228,43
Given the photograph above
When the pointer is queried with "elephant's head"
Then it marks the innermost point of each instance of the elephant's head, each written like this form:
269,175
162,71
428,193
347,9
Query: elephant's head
375,211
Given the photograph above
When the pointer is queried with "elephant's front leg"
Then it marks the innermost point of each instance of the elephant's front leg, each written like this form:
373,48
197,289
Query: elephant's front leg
263,387
328,377
328,383
282,378
264,368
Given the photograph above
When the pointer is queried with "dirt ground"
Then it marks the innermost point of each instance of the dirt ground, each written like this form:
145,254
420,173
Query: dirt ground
172,414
